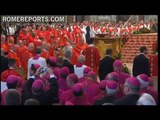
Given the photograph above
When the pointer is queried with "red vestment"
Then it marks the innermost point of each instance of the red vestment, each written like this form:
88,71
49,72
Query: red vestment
45,54
25,57
13,55
80,47
74,57
8,72
153,60
5,46
92,56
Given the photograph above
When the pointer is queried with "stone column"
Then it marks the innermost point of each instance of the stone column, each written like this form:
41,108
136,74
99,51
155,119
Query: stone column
65,18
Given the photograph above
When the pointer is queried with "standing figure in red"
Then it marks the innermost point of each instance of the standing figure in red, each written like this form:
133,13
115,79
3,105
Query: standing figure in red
92,56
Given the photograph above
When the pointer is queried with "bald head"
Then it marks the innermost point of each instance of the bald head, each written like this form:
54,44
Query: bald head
12,97
11,39
81,58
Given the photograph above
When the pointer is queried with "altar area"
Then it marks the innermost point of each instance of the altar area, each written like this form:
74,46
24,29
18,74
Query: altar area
104,41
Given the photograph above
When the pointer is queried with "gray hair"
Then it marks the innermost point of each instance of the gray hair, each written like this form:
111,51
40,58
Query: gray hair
81,58
31,45
146,99
68,54
67,48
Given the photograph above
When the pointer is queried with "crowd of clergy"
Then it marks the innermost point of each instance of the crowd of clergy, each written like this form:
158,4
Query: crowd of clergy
60,65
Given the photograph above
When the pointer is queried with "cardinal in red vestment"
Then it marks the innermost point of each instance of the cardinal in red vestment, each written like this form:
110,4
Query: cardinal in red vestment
92,56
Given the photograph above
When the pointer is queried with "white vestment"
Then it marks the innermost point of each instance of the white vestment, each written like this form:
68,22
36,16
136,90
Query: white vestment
3,86
41,61
79,70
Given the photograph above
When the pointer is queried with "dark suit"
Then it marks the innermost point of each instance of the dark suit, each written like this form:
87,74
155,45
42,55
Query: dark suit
141,65
52,92
129,99
105,67
87,34
27,90
42,98
68,64
106,99
4,63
